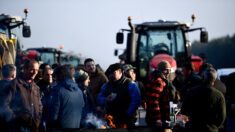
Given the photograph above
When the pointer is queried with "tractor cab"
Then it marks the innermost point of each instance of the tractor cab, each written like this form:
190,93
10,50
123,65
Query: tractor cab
146,40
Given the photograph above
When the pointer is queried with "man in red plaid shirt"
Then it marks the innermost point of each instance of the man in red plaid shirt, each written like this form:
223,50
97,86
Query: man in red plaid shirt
158,96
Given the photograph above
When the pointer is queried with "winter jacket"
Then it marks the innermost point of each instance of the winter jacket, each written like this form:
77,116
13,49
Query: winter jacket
124,106
5,116
25,104
45,90
190,82
219,85
67,104
230,84
157,99
206,108
89,106
97,79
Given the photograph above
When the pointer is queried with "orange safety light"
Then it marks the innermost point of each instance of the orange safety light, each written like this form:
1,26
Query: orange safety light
61,47
26,11
129,18
193,16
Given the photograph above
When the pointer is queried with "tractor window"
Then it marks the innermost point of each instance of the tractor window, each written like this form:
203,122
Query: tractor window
70,60
179,40
143,56
3,29
158,41
48,58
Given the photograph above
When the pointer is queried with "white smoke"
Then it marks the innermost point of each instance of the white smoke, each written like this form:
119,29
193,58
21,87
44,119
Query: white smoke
95,121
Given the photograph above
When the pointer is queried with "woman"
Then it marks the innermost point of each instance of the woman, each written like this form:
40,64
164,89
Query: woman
83,81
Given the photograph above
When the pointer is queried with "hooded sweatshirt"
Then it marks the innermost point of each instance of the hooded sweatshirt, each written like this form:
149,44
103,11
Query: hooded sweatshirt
68,104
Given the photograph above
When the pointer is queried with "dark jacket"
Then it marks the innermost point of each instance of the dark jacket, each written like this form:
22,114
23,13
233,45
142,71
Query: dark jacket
67,104
123,107
96,81
44,87
45,90
157,99
25,104
89,105
230,84
206,108
5,116
190,82
219,85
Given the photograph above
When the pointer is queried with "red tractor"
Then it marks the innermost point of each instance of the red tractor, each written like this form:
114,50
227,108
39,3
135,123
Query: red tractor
153,41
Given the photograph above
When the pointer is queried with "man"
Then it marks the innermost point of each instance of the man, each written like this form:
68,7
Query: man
8,74
205,105
219,85
42,67
191,79
120,96
24,101
230,84
97,78
158,96
130,73
67,99
45,84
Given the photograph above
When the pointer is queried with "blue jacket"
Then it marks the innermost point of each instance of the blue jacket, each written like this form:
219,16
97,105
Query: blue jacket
67,104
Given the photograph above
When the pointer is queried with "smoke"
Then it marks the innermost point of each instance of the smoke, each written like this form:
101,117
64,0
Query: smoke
96,122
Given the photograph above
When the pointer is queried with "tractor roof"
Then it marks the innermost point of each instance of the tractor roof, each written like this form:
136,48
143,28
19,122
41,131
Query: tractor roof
10,19
163,24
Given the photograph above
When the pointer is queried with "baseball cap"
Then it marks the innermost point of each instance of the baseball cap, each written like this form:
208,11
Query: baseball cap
127,67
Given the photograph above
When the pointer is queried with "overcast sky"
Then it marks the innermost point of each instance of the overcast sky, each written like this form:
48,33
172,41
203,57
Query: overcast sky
89,27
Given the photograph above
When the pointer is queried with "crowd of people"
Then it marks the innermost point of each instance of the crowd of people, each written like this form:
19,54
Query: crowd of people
42,97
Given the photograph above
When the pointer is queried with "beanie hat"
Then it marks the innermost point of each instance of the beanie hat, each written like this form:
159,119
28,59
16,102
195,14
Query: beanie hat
127,67
162,65
81,76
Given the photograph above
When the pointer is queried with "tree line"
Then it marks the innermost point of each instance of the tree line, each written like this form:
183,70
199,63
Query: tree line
220,52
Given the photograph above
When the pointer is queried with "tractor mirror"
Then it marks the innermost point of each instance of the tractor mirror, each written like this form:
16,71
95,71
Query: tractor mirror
169,36
119,37
204,37
26,31
115,52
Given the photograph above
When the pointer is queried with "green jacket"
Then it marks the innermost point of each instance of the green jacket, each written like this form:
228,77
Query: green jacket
206,108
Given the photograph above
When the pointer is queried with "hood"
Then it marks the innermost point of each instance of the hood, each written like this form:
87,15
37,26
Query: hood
69,84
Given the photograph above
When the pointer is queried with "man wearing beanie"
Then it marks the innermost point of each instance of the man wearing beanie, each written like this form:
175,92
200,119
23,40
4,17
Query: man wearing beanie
120,97
158,96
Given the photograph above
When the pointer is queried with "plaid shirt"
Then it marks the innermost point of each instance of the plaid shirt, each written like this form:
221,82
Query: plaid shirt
157,99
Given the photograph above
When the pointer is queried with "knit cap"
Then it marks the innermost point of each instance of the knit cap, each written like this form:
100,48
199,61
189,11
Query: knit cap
81,75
